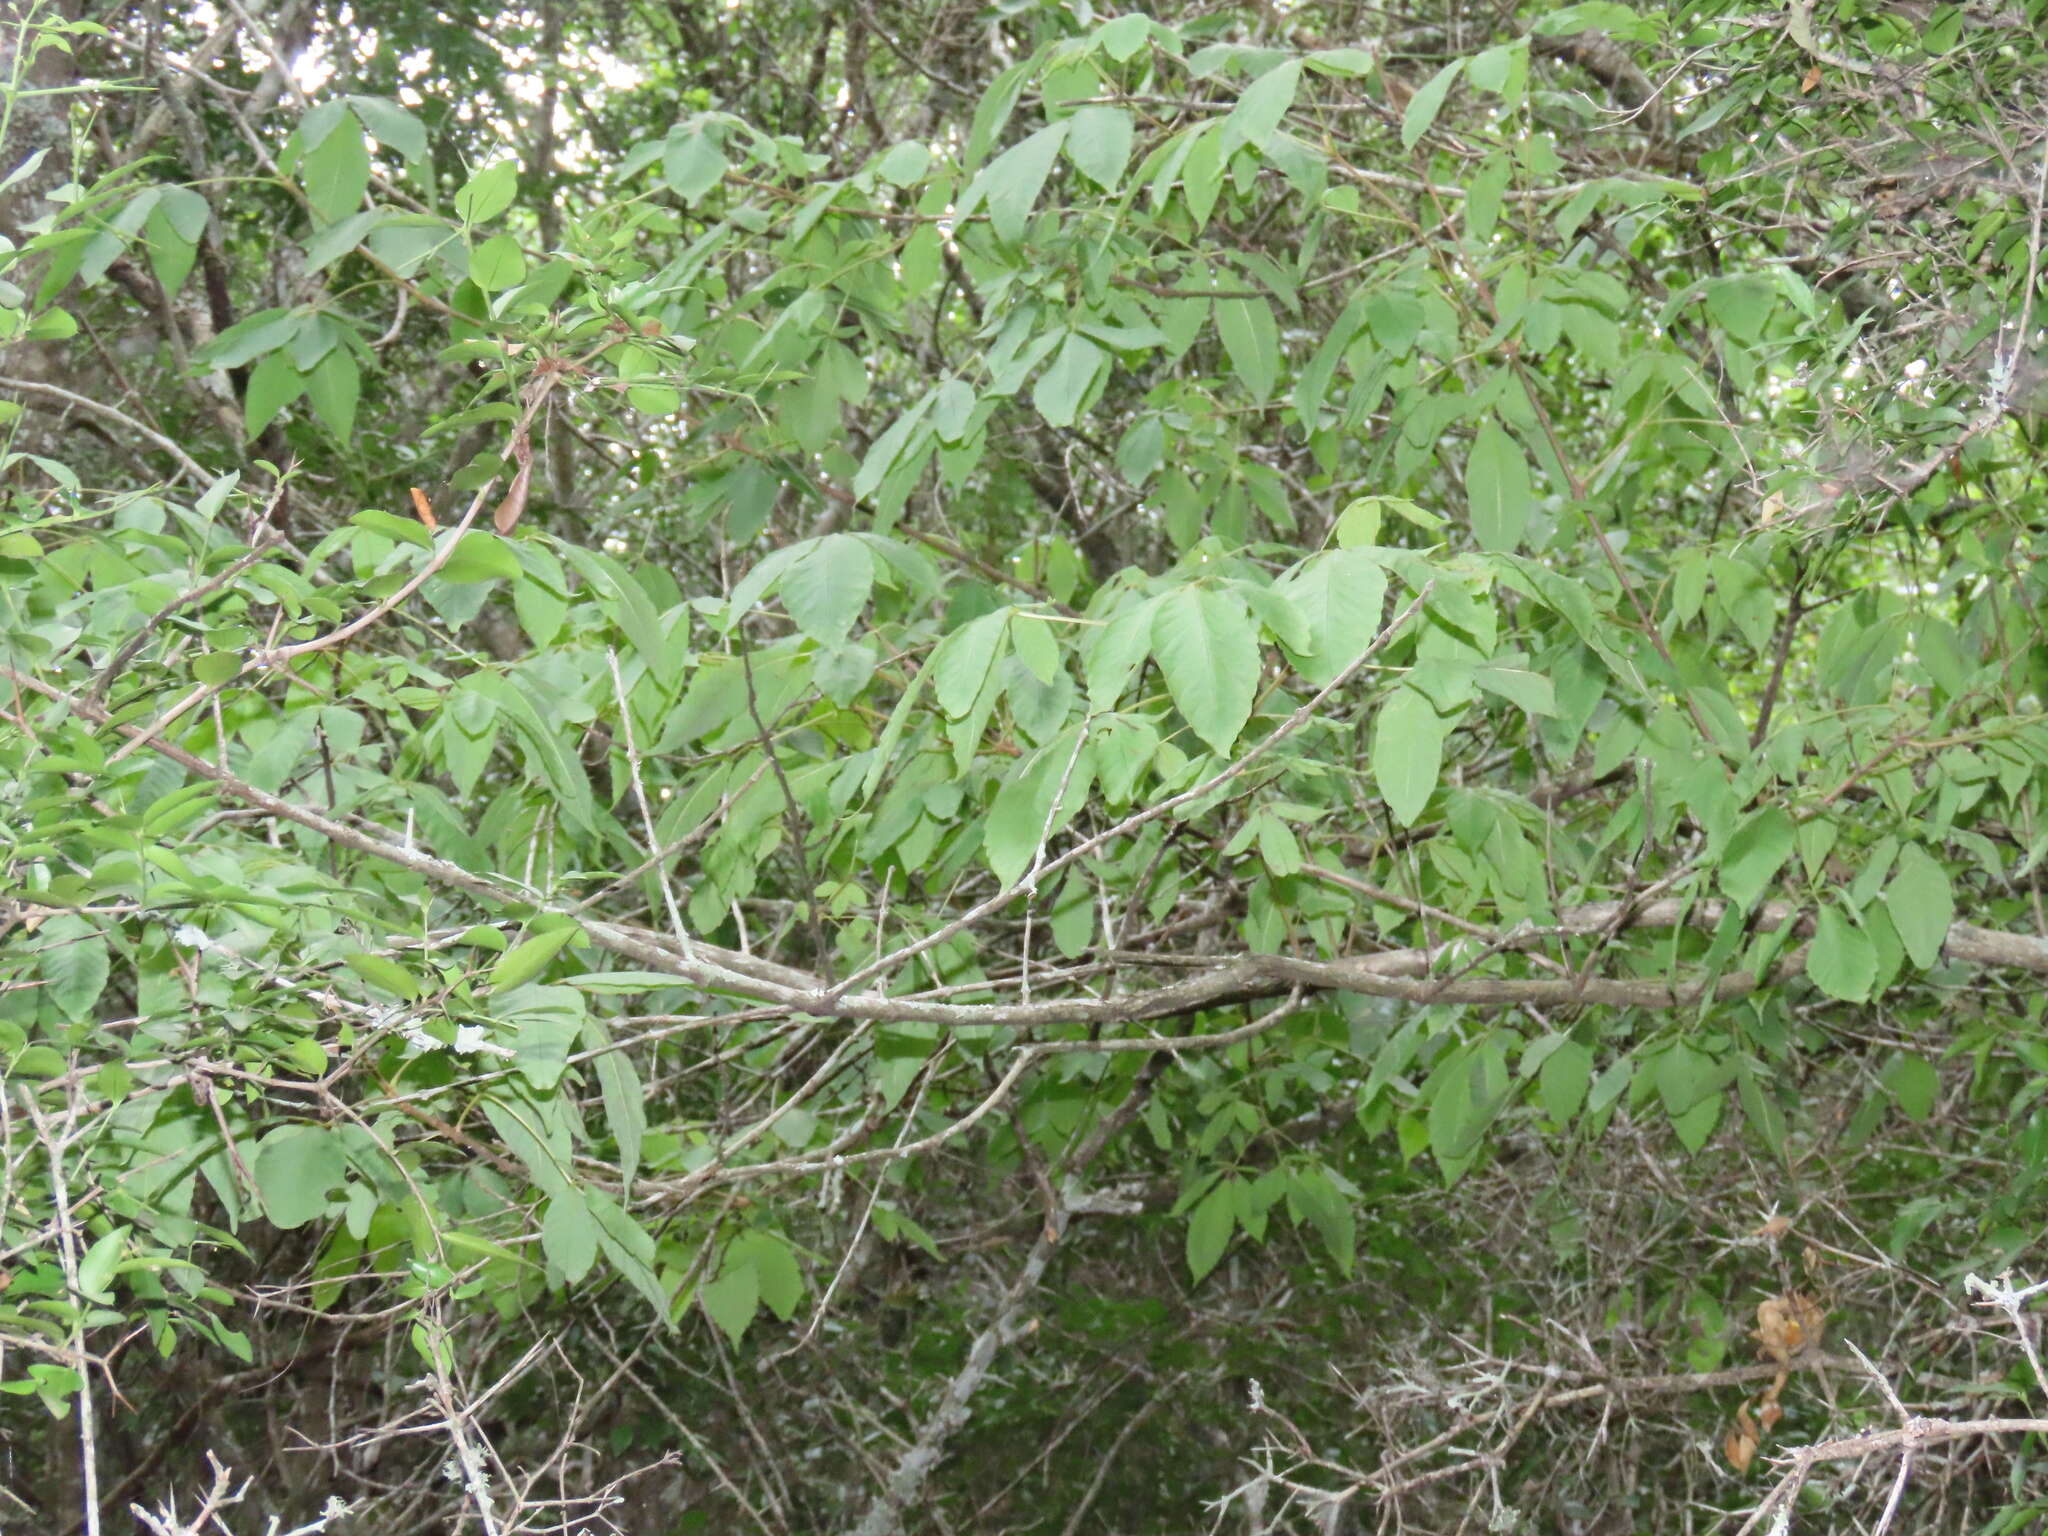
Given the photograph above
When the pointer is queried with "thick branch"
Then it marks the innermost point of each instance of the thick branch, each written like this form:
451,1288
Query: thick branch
1405,975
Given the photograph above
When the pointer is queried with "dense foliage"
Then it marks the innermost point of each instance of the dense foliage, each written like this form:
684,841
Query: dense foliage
933,766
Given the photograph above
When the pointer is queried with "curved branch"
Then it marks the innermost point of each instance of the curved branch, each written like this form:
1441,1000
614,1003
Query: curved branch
1404,975
77,402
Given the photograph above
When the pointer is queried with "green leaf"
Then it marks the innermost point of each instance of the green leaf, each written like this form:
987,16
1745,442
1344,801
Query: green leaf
1061,388
1073,910
40,1061
961,664
541,610
1012,181
1742,305
320,121
96,1266
336,173
523,1131
1697,1124
249,338
1499,68
333,387
385,974
524,961
993,111
1341,595
1754,855
1344,63
1312,1194
1122,38
890,446
1116,650
1274,608
480,556
905,164
1099,144
273,384
1259,110
488,193
952,410
625,601
1760,1109
618,983
1608,16
174,231
1526,690
1423,106
1031,639
497,264
1483,194
1209,1227
1201,178
1023,815
1141,453
630,1247
74,964
545,1022
844,671
826,587
568,1235
776,1274
35,158
1913,1083
391,125
1252,340
692,163
562,773
1841,961
407,242
1465,1094
1922,905
217,668
1207,648
1279,849
338,239
294,1170
1407,753
1497,489
1683,1077
1561,1082
733,1298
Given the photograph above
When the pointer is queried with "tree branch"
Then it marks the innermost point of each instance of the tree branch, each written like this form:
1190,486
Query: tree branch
1404,975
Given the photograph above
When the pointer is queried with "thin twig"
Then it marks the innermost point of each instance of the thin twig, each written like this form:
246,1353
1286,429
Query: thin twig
186,463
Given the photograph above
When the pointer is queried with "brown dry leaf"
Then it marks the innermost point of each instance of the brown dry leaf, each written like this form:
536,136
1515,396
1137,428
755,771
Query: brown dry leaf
1740,1446
1768,1412
1787,1324
1811,1321
1740,1451
1773,1331
506,518
26,913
